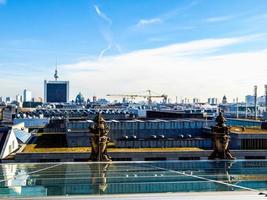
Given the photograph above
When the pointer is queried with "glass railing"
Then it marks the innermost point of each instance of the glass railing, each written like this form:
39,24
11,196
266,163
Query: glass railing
62,179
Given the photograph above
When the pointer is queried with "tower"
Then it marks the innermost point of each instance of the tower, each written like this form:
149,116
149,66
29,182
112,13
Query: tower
255,101
265,98
56,75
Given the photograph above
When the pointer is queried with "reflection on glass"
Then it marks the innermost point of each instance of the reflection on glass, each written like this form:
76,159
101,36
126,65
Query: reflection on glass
22,180
16,182
99,177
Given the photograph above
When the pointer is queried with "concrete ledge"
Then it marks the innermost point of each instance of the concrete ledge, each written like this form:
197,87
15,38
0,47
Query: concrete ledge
244,195
133,156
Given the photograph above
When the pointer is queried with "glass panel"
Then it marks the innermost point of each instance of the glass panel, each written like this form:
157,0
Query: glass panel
24,180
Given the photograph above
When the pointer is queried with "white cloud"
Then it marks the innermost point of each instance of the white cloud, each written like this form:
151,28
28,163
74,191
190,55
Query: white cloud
145,22
165,16
219,18
178,70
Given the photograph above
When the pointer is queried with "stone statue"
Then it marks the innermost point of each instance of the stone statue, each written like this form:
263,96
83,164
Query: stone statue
220,139
220,120
99,140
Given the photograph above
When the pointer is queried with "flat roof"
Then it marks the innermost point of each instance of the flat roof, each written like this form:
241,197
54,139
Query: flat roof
240,130
33,148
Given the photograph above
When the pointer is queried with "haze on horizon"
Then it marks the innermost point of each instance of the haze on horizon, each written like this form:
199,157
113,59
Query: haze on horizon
187,48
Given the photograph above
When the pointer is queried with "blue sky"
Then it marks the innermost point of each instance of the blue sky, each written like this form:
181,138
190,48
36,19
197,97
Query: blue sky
87,38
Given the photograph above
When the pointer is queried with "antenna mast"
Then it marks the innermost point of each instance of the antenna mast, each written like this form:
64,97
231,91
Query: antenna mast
255,101
56,74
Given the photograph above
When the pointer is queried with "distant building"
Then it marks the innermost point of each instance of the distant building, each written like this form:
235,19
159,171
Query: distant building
224,100
261,100
1,112
79,99
33,123
1,99
19,98
27,95
212,101
8,99
102,101
31,104
94,99
195,100
9,113
38,99
56,91
249,99
185,101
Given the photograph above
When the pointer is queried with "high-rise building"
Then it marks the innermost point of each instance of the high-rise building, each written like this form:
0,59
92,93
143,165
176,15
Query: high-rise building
261,100
27,96
1,99
56,91
195,100
213,101
19,98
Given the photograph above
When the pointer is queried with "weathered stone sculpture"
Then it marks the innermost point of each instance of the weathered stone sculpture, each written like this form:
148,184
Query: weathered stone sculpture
99,140
220,139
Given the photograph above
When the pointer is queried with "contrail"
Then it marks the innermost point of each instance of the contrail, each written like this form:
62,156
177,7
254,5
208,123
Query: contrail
102,15
107,33
104,51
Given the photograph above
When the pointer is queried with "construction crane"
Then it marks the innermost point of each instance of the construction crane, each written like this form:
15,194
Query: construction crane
148,97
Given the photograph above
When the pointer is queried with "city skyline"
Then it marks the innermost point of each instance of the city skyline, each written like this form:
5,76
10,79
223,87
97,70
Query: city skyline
180,48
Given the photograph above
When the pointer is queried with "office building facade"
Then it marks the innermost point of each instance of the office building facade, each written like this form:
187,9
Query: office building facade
19,98
56,91
27,96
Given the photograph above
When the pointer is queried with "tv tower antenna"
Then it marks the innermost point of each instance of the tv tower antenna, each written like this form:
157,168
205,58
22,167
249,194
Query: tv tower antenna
56,74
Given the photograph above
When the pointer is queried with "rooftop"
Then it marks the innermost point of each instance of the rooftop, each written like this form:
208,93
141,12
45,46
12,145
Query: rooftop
240,130
54,143
33,148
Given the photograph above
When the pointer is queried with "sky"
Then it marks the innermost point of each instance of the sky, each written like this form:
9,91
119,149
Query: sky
182,48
